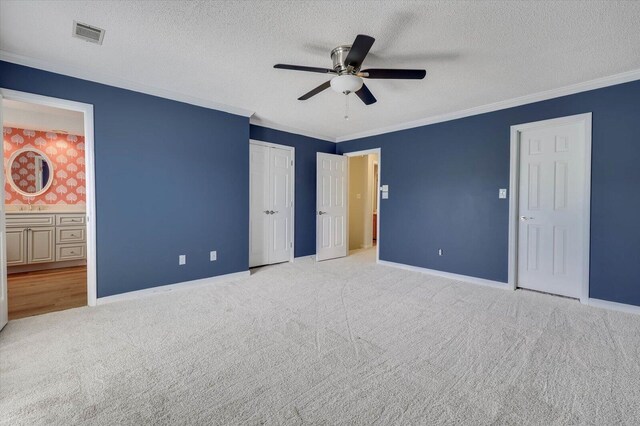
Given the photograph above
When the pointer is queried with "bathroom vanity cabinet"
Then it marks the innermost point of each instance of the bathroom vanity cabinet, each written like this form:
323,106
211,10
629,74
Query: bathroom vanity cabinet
35,237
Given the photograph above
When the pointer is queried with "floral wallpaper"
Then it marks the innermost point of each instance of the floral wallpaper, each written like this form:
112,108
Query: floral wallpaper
66,153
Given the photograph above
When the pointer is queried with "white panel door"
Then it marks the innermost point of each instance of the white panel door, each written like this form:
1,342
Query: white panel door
4,305
259,220
271,205
551,209
281,204
331,202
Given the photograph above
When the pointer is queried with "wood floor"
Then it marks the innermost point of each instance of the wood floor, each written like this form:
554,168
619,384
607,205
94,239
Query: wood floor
39,292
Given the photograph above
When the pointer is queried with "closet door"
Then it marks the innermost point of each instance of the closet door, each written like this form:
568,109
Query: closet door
259,217
281,205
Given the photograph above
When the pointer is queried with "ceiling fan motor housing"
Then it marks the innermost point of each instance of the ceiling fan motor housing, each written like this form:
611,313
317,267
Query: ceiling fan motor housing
345,82
338,56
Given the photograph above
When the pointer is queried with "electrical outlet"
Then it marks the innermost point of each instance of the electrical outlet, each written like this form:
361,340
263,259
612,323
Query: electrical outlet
182,259
439,252
213,256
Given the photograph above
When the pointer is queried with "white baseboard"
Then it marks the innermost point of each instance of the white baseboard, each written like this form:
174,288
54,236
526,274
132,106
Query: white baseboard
596,303
171,287
614,306
313,256
449,275
45,266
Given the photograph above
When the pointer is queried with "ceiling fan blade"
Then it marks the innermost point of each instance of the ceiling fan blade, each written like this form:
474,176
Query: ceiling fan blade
359,50
394,74
302,68
366,96
315,91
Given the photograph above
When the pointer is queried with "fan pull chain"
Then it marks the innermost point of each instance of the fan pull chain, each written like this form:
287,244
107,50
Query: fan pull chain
346,106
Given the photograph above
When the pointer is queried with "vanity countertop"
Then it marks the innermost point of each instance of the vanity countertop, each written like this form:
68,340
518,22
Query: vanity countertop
43,211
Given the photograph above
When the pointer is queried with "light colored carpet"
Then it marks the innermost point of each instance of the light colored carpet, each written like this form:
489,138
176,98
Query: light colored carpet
340,342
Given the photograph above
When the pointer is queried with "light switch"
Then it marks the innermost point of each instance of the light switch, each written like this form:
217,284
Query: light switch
385,195
384,188
358,196
502,193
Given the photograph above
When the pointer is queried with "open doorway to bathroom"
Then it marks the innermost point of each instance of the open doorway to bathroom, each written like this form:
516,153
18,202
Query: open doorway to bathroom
45,205
363,200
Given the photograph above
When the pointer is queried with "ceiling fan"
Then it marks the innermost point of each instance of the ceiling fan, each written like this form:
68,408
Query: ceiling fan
347,61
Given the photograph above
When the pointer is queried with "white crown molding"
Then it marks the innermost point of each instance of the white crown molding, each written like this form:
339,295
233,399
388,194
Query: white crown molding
163,289
598,83
283,128
449,275
110,80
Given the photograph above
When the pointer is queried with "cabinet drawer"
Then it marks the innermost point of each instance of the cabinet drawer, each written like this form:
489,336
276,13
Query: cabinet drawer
26,220
69,234
70,252
72,219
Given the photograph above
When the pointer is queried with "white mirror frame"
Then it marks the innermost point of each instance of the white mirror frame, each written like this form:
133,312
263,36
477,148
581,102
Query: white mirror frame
10,177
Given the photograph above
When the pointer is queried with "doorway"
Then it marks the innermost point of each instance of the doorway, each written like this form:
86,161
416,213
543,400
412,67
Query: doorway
549,206
364,200
46,224
271,204
363,203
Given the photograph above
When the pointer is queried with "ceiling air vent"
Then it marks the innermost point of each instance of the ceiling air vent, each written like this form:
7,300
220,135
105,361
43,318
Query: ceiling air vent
87,32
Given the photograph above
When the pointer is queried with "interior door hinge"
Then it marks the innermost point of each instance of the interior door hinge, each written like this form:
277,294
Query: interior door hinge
292,162
290,244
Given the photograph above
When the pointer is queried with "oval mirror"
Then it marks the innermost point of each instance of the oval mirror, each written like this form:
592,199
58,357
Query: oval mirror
30,172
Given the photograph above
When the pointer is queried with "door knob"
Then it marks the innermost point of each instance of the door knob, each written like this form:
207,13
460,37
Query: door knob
267,212
321,213
525,218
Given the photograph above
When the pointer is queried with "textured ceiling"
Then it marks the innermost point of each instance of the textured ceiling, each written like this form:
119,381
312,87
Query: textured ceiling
40,117
475,53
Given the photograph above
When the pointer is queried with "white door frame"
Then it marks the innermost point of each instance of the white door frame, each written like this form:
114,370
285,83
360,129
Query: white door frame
514,175
87,110
356,154
293,190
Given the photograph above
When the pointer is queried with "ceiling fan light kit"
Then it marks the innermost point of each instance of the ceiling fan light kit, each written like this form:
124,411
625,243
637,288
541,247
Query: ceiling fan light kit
346,83
347,61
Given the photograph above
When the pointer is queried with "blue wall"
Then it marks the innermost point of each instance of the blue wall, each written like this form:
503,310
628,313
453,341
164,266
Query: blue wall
444,180
306,149
171,178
